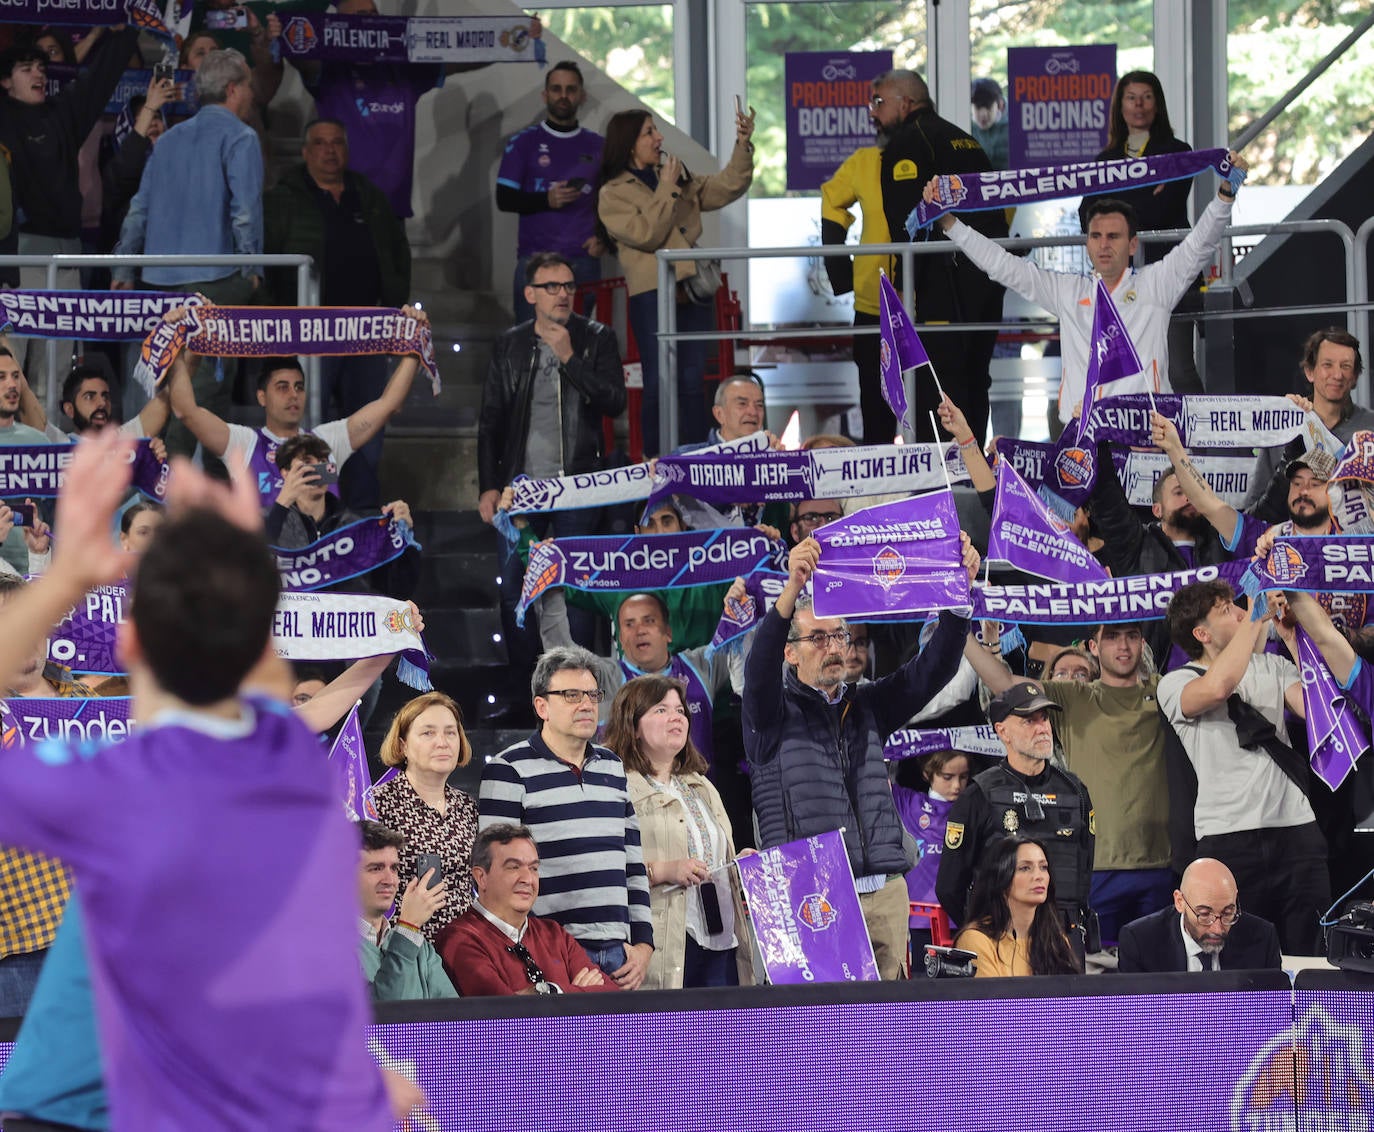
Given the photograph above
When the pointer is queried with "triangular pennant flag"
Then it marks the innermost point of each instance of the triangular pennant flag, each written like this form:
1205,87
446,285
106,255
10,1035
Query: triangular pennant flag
349,756
901,350
1026,535
1335,738
1113,364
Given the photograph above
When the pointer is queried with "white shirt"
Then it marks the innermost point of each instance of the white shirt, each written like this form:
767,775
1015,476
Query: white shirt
1198,960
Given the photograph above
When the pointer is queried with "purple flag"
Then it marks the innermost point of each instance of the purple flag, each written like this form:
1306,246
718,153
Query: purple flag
977,192
1114,368
349,756
761,589
631,564
352,550
806,914
1335,737
1027,536
369,792
901,350
896,558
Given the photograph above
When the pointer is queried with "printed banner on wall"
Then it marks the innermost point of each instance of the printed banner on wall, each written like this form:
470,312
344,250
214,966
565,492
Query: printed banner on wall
1060,98
827,110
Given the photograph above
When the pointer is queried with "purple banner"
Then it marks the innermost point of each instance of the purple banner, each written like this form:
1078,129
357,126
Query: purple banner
761,589
1058,103
824,473
37,470
901,350
349,757
1026,536
1357,460
913,744
359,548
398,39
99,719
1138,597
1315,564
805,912
1335,737
96,316
258,332
895,558
84,640
612,563
143,14
977,192
827,110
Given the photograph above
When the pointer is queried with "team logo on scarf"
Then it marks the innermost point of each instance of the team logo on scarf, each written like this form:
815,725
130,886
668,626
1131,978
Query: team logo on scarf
300,36
740,611
816,912
399,621
950,190
1285,564
888,567
1074,467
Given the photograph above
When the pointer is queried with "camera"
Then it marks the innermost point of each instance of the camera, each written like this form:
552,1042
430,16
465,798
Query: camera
1350,940
950,962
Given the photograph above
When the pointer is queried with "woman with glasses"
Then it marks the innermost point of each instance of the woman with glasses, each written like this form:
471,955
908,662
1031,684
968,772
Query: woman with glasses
1013,926
647,200
427,742
1073,663
686,837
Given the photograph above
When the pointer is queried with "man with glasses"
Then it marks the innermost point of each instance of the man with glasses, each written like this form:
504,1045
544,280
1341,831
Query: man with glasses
815,743
573,797
1203,930
496,946
808,514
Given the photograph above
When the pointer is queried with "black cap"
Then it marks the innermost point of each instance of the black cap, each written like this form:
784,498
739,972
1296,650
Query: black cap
1025,698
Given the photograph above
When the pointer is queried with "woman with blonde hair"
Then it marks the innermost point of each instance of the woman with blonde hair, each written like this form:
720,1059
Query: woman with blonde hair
427,742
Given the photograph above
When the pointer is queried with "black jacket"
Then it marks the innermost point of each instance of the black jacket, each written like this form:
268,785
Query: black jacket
924,146
593,387
1154,943
43,140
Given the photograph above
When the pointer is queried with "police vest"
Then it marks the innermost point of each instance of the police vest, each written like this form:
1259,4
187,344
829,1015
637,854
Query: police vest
1060,827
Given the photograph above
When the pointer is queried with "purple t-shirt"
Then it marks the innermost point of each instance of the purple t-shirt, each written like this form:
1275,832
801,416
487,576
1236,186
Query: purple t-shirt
539,156
376,104
218,879
1360,688
924,818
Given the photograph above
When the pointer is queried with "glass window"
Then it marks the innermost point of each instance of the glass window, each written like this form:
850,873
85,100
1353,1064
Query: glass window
995,25
634,45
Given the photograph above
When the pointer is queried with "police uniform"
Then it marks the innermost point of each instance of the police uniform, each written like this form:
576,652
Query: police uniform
948,288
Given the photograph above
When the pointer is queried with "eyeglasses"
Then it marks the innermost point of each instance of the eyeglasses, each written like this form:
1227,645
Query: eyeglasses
876,101
1228,915
574,696
816,518
858,642
818,639
568,288
536,977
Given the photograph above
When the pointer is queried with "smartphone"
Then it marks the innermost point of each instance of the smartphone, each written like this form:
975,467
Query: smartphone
25,514
165,69
324,474
426,861
577,182
227,19
739,105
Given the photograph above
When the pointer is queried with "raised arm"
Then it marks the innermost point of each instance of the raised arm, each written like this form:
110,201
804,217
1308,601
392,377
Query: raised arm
1210,505
975,463
205,426
1331,642
1214,687
368,421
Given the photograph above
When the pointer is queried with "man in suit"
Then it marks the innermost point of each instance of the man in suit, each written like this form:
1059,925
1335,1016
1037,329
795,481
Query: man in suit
1203,931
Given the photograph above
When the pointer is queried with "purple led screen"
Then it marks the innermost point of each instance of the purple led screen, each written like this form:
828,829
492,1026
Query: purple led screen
1333,1032
1129,1063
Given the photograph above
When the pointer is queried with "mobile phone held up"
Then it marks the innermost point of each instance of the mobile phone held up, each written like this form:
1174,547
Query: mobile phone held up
227,19
424,862
24,514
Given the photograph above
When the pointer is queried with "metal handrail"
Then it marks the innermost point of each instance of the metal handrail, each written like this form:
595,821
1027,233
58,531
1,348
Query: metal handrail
669,335
307,295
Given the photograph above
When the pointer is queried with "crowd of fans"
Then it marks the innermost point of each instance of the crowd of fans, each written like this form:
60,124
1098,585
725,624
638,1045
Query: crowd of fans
597,854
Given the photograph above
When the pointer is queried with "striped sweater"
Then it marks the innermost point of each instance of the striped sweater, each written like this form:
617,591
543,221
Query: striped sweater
591,868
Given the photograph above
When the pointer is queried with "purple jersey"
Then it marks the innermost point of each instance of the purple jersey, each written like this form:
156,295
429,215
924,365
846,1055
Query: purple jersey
376,104
924,818
534,159
219,885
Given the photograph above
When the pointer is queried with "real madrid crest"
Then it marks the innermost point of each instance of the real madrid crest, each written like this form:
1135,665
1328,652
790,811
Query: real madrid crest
1010,822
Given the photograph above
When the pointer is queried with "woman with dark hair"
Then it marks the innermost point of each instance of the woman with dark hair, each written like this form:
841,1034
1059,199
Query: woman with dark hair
1013,926
138,524
686,839
646,200
1138,124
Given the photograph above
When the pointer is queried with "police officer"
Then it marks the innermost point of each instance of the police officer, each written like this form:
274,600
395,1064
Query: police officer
1025,793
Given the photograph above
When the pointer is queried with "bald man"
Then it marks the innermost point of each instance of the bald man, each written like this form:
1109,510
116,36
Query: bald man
1203,931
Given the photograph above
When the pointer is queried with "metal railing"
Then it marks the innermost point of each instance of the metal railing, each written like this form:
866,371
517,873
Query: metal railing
1355,306
307,295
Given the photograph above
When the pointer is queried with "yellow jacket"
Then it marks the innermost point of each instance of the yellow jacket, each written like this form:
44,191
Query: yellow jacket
857,181
641,220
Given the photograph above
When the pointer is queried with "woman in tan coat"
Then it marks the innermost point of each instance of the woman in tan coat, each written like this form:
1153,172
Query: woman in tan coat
699,924
646,200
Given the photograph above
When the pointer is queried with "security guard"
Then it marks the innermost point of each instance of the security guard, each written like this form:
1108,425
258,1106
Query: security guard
1026,794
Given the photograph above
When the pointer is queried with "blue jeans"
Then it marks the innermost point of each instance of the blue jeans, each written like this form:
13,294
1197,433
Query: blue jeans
704,968
691,369
585,270
18,976
609,956
1119,896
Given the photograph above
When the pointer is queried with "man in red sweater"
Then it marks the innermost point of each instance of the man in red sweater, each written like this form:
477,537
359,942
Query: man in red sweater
496,946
